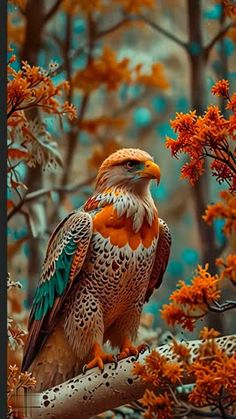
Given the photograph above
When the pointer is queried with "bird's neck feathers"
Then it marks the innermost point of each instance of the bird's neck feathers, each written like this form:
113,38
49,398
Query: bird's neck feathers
129,203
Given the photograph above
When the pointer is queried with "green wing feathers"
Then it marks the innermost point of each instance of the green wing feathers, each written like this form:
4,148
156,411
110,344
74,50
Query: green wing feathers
62,248
66,252
56,284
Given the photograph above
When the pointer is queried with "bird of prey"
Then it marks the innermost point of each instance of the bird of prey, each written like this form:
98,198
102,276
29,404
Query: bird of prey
102,263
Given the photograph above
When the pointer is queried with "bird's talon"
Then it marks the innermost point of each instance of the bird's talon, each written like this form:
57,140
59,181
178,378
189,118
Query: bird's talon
100,358
130,350
143,348
115,360
85,369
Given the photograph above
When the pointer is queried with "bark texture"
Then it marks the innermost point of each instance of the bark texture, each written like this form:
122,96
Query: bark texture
95,392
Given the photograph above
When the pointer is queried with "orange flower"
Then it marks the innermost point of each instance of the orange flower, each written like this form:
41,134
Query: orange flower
208,333
181,350
175,315
229,266
224,210
31,87
232,103
157,406
158,370
190,302
221,88
215,376
207,136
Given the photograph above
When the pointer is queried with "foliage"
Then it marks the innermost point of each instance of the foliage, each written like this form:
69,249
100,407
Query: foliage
28,140
16,336
191,302
224,210
15,382
211,371
211,135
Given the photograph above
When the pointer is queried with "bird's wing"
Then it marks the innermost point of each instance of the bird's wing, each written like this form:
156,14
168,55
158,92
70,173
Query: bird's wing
162,257
66,252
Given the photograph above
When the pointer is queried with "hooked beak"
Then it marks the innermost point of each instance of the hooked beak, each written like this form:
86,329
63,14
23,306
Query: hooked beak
151,170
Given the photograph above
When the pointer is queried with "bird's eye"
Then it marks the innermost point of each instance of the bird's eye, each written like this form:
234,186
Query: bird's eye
130,164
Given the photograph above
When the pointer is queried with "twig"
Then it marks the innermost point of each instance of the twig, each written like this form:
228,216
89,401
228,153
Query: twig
217,37
42,192
113,28
220,308
52,11
83,48
204,414
162,30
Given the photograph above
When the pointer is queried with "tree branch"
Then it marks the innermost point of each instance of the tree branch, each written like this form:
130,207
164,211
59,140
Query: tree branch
217,37
52,11
113,28
46,191
220,308
96,392
162,30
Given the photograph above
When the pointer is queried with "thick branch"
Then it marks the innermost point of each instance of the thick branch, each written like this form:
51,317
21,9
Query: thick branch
96,392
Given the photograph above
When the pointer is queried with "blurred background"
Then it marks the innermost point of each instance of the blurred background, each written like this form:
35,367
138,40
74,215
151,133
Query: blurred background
131,65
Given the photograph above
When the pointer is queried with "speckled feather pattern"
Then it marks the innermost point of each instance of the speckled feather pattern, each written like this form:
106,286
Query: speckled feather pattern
110,296
117,250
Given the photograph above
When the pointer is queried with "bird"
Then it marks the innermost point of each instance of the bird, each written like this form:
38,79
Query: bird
103,262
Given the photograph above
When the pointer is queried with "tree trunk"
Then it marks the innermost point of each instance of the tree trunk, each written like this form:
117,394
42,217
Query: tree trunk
200,192
30,50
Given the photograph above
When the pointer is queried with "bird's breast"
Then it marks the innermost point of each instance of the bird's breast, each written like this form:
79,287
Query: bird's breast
120,262
120,232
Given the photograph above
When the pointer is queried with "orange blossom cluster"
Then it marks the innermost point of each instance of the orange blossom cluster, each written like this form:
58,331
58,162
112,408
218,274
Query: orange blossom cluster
212,370
225,210
191,302
32,87
210,135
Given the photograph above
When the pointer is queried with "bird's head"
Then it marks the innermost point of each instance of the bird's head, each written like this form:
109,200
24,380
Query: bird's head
130,168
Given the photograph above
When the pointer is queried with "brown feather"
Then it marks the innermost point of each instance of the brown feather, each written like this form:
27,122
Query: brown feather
40,329
162,257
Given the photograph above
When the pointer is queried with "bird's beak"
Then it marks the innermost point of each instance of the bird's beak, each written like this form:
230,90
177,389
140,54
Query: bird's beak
151,170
